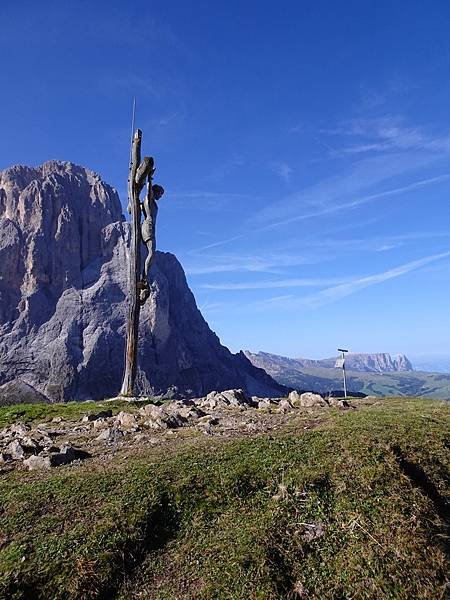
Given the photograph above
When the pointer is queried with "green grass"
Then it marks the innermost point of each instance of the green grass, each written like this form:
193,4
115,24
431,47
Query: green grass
227,519
29,413
404,383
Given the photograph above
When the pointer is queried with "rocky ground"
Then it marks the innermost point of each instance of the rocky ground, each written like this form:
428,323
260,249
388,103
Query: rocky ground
225,496
100,435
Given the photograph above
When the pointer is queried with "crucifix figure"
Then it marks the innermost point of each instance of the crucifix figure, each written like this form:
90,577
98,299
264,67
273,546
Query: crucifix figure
142,232
148,234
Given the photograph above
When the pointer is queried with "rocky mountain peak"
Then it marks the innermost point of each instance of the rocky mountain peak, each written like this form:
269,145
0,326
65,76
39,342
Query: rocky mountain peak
63,298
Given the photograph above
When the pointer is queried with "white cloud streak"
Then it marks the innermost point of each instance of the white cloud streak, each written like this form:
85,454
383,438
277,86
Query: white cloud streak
267,262
346,289
363,200
262,285
385,134
323,208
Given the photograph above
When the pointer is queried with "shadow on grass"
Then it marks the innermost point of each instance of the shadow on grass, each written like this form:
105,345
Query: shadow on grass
420,480
161,526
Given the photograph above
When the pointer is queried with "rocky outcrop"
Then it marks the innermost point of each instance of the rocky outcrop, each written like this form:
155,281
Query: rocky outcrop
63,441
381,362
377,363
63,299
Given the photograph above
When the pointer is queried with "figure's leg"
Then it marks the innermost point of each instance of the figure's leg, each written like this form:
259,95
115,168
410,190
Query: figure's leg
149,259
145,289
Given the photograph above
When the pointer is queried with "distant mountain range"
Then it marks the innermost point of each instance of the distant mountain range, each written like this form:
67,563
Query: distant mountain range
374,374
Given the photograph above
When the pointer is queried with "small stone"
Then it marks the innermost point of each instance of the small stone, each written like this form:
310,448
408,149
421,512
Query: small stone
151,410
57,420
37,462
264,404
126,419
66,455
105,435
103,414
308,399
16,450
295,399
20,429
284,406
338,403
156,423
313,531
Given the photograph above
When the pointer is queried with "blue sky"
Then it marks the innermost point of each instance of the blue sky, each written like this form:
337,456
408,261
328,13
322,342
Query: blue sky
304,148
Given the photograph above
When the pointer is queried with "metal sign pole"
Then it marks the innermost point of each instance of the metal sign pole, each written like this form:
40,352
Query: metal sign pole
343,370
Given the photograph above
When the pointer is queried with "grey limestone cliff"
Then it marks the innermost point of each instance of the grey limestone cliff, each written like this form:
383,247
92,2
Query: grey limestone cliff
63,299
381,362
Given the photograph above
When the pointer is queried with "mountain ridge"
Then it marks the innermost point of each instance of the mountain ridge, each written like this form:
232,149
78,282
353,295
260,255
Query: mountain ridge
379,362
309,375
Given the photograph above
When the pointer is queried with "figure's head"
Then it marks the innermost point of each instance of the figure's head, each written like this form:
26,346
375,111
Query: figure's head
158,191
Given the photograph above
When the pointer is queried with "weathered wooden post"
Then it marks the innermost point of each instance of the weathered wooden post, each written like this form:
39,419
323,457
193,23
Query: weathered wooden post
140,173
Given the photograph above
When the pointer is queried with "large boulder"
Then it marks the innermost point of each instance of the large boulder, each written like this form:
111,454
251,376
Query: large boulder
306,400
63,299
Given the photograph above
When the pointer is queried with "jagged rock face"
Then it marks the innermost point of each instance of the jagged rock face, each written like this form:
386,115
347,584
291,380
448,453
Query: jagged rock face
377,363
372,363
63,299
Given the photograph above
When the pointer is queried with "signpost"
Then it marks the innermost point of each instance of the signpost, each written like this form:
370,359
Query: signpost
341,363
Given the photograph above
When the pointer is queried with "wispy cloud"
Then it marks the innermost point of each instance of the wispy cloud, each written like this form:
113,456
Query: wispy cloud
267,262
270,284
282,169
348,188
207,200
342,290
226,167
325,198
388,133
358,201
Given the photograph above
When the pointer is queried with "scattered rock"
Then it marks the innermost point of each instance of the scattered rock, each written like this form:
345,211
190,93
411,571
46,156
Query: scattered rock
19,429
295,399
4,457
103,414
309,399
156,423
126,419
236,398
151,410
66,455
338,402
16,450
37,462
105,435
264,403
312,531
284,405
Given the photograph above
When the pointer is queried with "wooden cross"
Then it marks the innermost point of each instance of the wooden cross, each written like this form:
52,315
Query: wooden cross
140,173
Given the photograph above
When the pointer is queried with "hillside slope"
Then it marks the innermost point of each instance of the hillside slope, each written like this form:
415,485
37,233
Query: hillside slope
349,504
